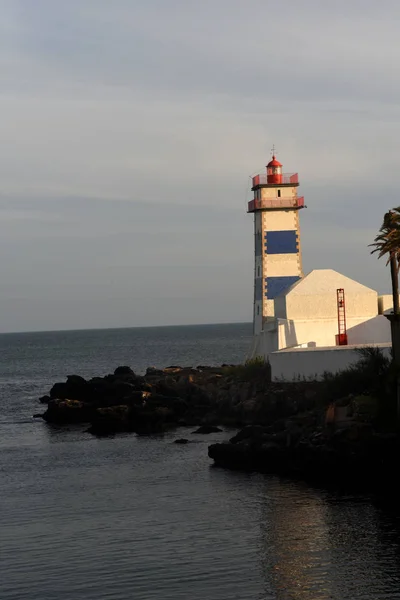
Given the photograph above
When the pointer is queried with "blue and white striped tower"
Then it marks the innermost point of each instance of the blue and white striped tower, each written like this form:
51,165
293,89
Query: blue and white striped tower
276,238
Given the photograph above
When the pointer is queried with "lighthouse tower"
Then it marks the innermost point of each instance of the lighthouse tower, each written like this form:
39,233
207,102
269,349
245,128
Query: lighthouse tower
276,238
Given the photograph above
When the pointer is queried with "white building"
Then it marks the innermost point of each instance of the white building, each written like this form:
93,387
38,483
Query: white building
297,319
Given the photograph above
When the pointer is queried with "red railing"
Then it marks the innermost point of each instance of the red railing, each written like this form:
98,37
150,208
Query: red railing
275,203
287,179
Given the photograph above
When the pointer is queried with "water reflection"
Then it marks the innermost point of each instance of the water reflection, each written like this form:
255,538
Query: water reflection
318,545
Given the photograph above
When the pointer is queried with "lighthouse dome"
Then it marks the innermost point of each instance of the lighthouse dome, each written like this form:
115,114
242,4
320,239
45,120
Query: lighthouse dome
274,163
274,171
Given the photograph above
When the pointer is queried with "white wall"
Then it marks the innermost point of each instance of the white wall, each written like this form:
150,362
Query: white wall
272,192
385,302
312,363
279,334
303,306
322,332
266,341
375,330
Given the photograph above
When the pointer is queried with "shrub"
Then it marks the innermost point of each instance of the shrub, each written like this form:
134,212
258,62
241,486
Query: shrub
373,376
369,376
254,368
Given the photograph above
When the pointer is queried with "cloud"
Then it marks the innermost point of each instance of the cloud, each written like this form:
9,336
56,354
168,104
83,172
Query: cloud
130,129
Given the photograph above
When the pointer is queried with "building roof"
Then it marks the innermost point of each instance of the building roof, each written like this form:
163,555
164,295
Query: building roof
324,281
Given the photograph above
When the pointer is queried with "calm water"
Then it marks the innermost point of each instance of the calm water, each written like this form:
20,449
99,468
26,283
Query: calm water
141,518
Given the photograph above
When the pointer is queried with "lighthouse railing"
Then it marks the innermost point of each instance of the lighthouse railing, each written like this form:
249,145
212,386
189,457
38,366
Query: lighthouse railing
276,203
287,179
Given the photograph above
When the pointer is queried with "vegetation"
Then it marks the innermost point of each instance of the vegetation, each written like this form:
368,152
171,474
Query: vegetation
254,368
387,243
372,380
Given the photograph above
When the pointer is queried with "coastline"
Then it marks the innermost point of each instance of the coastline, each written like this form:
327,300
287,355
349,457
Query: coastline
291,429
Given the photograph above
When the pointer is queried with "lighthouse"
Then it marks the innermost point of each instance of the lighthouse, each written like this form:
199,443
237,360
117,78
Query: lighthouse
277,248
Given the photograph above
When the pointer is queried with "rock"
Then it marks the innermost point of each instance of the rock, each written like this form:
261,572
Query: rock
59,390
37,416
231,456
181,441
75,388
177,407
75,380
154,372
44,399
183,396
110,420
63,411
205,429
124,371
251,431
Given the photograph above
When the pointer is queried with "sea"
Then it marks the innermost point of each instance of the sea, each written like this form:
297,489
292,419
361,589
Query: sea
141,518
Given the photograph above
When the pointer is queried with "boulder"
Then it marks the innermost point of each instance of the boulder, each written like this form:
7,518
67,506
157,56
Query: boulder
75,388
232,456
124,371
206,429
181,441
250,432
110,420
153,372
75,380
62,411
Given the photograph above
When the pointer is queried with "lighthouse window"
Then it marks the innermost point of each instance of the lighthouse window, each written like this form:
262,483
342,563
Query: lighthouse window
258,272
258,310
279,193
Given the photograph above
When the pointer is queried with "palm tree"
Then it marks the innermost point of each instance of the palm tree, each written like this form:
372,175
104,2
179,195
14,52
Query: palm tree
387,243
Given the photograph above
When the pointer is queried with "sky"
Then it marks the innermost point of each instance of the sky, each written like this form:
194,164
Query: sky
129,130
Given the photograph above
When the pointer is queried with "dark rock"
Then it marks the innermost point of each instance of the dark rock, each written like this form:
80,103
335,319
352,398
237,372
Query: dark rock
44,399
232,456
75,388
38,416
205,429
176,406
67,411
121,389
251,431
59,390
153,371
181,441
110,420
124,371
75,380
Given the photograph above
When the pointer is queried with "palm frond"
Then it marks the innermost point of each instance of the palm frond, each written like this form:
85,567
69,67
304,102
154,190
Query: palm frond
387,242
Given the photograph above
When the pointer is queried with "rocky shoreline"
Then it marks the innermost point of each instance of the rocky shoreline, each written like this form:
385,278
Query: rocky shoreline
290,429
169,398
348,457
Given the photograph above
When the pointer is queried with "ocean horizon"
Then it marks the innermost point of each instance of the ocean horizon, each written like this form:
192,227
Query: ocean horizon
79,329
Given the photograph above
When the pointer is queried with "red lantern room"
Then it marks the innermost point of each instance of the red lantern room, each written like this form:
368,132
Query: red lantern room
274,171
